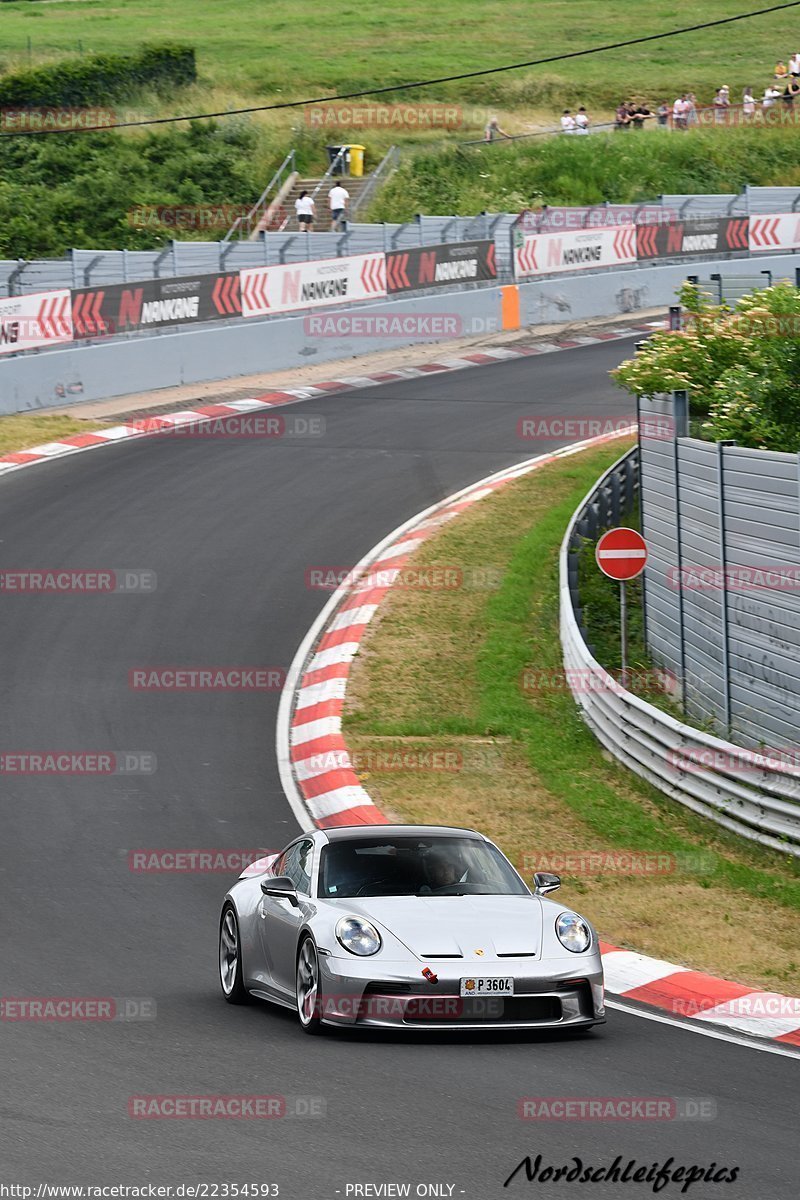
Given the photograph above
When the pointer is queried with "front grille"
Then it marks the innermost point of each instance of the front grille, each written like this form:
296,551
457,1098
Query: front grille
491,1010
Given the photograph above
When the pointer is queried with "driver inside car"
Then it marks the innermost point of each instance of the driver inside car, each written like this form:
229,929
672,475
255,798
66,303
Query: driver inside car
443,872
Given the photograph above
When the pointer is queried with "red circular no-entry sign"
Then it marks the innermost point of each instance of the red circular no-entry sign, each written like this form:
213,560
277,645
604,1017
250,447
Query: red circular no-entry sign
621,554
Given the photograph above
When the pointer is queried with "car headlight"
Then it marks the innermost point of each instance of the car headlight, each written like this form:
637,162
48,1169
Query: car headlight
573,932
358,936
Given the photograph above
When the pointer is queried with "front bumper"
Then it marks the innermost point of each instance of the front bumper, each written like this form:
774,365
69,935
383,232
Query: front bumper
548,994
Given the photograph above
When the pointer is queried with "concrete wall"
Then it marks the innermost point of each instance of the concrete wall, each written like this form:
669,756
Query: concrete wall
128,365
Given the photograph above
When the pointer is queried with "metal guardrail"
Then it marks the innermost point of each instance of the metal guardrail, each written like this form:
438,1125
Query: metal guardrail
244,226
94,268
762,806
385,168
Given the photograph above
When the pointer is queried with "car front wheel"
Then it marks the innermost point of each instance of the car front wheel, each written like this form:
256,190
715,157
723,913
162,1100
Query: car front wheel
308,991
231,975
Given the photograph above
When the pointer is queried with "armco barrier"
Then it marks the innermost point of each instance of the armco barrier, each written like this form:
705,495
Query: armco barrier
703,773
125,365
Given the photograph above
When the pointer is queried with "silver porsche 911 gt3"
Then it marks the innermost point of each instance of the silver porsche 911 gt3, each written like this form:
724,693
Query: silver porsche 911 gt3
407,926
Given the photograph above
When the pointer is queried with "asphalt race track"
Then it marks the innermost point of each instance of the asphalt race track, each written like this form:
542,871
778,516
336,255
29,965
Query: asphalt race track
230,528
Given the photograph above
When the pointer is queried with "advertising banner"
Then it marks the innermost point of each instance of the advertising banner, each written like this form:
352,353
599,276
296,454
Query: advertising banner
150,303
779,231
700,235
42,319
312,284
572,250
438,266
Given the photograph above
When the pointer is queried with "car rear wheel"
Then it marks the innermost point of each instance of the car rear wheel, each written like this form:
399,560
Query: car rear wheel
308,990
231,976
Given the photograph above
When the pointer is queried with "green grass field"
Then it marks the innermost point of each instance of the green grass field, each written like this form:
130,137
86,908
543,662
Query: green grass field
54,195
270,50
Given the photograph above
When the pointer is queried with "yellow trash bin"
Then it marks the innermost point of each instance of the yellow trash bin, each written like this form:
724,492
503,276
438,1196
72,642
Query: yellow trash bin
357,160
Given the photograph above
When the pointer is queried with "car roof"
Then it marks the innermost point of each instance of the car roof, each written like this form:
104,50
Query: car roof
350,832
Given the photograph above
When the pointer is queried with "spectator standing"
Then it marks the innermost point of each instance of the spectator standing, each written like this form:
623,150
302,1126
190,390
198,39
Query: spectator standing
338,197
721,103
691,110
304,211
794,64
748,104
622,117
680,112
789,93
493,130
662,114
639,115
581,120
567,122
771,94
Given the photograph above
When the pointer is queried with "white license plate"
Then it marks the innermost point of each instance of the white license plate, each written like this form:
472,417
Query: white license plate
487,987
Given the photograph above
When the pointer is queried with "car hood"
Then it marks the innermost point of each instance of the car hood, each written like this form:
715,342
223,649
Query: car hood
456,926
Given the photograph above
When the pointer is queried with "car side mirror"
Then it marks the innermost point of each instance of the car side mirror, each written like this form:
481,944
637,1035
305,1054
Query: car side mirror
544,882
281,887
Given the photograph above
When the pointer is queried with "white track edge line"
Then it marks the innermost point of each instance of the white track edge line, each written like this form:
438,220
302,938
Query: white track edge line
722,1036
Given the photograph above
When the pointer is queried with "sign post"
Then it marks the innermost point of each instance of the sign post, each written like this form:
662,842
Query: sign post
621,554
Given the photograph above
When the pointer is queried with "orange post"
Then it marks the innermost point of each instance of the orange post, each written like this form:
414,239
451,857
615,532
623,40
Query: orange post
509,306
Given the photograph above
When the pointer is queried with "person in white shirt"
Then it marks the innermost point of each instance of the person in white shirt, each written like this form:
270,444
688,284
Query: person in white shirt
337,199
567,122
794,64
304,211
771,94
748,104
581,121
680,111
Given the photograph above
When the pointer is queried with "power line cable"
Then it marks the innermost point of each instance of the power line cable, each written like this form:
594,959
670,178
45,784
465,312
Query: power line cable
421,83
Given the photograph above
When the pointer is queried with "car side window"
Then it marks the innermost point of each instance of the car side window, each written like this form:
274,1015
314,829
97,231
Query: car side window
297,865
305,858
279,866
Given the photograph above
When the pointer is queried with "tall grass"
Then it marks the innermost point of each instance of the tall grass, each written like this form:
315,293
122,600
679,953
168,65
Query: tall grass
618,167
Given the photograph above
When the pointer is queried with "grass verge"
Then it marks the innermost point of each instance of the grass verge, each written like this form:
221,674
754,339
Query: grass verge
21,430
443,671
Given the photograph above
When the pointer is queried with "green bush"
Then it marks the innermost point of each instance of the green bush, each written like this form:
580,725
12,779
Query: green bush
740,366
59,192
99,78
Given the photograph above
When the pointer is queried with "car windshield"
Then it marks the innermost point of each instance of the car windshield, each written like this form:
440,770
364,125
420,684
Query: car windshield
416,866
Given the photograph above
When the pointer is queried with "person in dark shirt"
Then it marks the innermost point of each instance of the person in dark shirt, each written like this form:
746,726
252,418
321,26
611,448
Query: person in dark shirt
789,92
639,115
622,118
